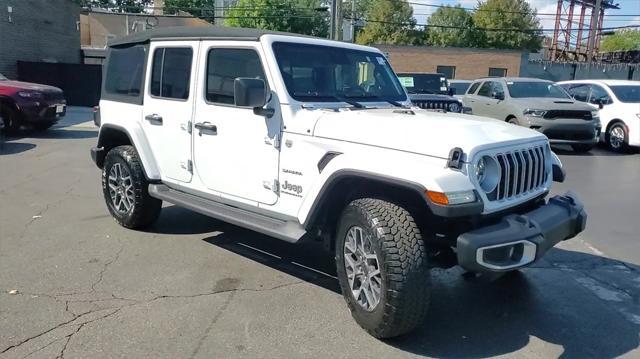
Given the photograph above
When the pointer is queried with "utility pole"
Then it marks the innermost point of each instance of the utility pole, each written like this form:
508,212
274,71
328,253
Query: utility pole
594,29
353,21
332,26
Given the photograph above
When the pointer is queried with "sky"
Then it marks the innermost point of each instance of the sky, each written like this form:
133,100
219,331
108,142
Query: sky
627,7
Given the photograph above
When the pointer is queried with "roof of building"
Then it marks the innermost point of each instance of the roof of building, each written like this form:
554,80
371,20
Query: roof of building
196,32
514,79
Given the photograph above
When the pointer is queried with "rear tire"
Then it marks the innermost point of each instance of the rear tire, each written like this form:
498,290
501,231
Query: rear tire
125,189
394,255
582,148
513,121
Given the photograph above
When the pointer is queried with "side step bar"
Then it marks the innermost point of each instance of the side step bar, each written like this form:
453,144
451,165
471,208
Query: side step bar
284,230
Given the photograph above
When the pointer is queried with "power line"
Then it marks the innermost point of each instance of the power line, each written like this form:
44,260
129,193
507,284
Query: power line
498,11
482,28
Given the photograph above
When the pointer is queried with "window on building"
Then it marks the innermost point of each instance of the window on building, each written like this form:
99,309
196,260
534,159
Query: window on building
224,66
448,71
171,72
497,72
124,71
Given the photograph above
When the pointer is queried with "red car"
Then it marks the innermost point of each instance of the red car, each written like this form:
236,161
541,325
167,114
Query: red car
40,106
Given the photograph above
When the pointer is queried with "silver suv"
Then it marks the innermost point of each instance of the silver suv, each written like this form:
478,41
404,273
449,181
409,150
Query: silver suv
537,104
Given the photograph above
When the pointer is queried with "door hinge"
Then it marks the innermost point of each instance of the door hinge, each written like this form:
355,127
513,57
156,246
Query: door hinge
186,126
188,165
272,186
275,142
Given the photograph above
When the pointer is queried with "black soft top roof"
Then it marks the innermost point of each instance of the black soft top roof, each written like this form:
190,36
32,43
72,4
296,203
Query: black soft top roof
196,32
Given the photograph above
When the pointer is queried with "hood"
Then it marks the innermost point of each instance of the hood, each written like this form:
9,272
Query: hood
29,86
430,97
428,133
548,103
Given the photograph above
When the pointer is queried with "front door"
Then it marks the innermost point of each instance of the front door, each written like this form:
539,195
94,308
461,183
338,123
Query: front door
235,151
168,107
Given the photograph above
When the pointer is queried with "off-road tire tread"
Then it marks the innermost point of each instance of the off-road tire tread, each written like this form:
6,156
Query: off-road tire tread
408,280
146,208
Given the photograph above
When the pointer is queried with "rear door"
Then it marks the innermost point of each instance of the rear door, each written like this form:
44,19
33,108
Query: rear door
168,106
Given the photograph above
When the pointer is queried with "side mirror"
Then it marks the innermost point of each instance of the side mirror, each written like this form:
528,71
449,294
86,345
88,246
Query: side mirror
600,103
497,95
249,92
452,91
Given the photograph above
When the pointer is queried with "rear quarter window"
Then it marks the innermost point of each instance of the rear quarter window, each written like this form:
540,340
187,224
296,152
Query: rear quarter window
124,74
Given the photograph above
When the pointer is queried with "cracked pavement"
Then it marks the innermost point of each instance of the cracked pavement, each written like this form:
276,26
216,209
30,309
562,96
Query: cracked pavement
194,287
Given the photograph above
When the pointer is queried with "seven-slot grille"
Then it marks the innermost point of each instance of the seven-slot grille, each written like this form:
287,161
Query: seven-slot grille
522,171
432,105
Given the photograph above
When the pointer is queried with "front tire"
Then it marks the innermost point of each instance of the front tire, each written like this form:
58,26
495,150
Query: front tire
617,137
12,120
382,267
125,189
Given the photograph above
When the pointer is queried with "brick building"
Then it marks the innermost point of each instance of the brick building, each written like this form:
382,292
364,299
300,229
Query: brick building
38,30
456,63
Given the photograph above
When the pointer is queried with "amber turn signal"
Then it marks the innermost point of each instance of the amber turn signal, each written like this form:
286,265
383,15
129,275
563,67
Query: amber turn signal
438,197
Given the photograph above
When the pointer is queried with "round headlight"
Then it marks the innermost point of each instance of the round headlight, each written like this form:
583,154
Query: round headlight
487,173
454,107
480,170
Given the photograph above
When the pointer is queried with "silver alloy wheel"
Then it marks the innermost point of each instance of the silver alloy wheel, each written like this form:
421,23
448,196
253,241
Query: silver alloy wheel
121,188
616,136
362,268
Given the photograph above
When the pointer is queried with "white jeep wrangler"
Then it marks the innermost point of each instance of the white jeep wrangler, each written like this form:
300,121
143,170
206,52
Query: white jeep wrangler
304,138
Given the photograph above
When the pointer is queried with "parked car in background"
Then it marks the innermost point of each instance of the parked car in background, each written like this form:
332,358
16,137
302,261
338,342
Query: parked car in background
538,104
459,87
619,103
430,91
40,106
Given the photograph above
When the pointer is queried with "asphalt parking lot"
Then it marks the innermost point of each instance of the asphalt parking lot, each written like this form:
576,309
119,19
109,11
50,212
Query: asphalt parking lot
74,284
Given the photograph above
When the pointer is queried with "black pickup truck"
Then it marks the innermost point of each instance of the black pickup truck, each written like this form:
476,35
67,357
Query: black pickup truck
430,91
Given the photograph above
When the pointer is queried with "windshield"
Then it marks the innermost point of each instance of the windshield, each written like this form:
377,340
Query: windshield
424,83
317,73
627,93
522,89
2,78
460,88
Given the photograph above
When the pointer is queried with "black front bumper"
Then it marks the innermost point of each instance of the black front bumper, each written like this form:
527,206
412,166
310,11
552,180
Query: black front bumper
519,240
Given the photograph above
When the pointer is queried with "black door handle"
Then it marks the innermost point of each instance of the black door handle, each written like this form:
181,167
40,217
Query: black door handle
206,126
154,118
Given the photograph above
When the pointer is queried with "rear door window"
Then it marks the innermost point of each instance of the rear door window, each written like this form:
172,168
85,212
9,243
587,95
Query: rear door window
171,72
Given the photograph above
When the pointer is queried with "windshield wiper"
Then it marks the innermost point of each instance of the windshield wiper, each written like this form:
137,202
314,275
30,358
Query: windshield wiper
332,97
392,102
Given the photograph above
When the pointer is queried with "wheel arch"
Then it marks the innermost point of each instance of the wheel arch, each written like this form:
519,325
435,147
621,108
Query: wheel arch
345,185
8,101
613,122
113,135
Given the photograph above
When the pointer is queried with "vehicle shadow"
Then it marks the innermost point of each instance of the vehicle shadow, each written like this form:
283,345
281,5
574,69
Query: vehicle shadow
598,151
52,133
13,148
480,317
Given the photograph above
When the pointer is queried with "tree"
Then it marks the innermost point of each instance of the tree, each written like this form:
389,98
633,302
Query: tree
390,22
204,9
623,40
457,28
307,17
134,6
509,14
